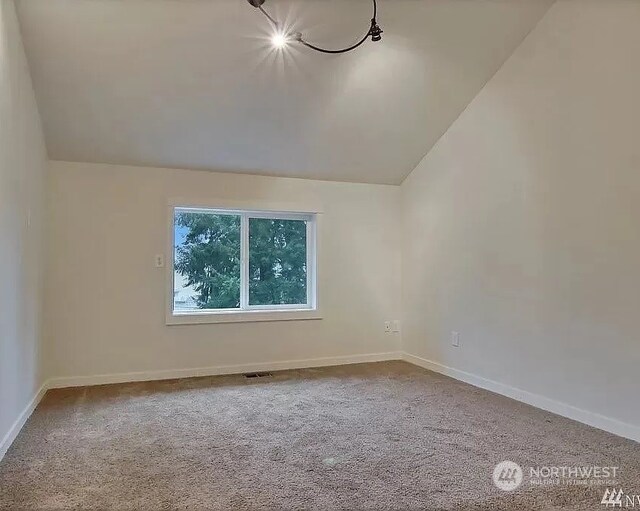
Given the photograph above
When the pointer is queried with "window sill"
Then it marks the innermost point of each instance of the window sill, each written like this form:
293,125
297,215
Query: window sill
246,316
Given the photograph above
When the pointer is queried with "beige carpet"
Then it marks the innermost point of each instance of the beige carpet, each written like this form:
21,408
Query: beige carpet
371,436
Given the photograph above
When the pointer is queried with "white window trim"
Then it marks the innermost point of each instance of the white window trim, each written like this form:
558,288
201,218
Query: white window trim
248,313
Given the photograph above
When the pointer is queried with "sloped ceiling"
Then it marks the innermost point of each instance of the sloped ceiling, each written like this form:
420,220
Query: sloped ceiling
195,84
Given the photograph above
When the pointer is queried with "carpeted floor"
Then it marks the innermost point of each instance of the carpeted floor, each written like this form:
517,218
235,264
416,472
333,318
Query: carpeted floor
370,436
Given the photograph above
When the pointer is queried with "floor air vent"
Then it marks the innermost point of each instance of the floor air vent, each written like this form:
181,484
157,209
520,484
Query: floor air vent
258,375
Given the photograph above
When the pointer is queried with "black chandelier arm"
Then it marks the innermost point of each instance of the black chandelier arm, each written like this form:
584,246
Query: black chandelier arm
374,31
349,48
342,50
273,22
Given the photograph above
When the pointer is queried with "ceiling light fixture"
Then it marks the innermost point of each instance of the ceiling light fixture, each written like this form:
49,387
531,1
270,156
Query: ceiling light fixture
280,38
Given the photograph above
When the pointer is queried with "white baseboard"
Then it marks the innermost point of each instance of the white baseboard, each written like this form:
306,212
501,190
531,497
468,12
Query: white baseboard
21,420
590,418
103,379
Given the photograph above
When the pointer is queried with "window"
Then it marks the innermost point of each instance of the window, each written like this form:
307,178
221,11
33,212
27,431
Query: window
231,265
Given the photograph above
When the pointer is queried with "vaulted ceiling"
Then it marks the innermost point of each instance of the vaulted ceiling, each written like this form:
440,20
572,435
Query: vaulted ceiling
195,83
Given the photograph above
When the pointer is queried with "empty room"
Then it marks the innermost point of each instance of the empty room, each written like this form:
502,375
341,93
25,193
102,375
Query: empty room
319,255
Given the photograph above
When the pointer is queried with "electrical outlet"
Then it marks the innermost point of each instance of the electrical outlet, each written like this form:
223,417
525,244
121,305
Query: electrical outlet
159,261
455,339
387,326
395,327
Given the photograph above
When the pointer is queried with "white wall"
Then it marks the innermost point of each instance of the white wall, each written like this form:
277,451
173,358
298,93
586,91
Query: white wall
521,225
105,311
22,166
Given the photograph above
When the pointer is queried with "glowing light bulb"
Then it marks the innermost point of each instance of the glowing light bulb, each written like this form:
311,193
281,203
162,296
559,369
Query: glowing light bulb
279,40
